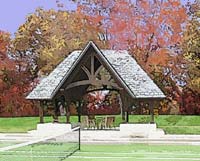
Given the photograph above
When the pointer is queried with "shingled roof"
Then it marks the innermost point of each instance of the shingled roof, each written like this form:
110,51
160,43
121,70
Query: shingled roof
133,77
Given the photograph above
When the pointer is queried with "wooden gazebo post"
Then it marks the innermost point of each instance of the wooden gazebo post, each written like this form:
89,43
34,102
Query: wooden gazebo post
122,106
127,109
125,114
151,104
79,111
56,110
67,111
41,112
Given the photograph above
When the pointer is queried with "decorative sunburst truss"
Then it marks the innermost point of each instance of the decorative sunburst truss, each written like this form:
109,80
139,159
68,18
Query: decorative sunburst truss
99,79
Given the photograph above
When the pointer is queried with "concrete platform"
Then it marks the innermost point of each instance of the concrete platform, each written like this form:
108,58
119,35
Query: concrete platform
113,137
140,130
48,129
126,133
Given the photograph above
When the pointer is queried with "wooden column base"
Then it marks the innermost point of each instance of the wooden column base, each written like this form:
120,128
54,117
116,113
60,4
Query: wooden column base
127,116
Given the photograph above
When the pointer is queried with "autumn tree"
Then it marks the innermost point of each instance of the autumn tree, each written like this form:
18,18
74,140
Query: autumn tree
150,30
7,67
14,82
191,47
48,36
5,63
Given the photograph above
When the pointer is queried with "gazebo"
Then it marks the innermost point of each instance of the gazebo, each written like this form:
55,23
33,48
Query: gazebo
71,80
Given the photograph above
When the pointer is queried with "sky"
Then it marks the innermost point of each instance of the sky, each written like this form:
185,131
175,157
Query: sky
14,12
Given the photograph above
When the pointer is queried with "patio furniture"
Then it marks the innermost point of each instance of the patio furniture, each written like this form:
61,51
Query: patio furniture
98,121
84,122
91,121
110,121
88,122
103,122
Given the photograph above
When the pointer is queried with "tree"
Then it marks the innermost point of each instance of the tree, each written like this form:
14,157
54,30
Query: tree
189,101
151,30
14,82
48,36
45,39
191,47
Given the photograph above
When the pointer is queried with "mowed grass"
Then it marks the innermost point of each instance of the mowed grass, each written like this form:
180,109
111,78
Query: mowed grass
110,152
43,151
24,124
130,152
171,124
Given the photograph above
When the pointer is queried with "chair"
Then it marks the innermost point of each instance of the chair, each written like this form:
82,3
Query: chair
102,124
110,121
98,121
91,121
84,122
88,122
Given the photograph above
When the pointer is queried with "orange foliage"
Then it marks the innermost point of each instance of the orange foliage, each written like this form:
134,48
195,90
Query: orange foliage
152,31
161,57
14,84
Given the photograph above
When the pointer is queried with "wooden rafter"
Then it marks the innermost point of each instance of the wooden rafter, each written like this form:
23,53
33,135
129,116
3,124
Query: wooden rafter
98,70
86,71
92,78
92,82
92,65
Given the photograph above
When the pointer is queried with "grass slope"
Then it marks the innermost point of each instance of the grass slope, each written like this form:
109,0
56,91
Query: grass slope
172,124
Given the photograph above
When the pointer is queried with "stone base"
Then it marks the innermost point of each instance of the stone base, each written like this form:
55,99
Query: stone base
48,129
125,131
140,130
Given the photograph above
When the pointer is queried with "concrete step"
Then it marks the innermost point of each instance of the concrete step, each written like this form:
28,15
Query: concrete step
127,133
125,140
181,136
156,134
17,137
48,129
139,142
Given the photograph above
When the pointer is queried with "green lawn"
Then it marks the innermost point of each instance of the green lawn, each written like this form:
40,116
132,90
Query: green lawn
130,152
172,124
118,152
24,124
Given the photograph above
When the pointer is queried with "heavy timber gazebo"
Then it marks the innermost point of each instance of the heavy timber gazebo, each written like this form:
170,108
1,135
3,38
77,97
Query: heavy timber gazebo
72,77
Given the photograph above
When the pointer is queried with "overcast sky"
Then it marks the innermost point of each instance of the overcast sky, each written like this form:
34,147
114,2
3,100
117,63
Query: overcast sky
14,12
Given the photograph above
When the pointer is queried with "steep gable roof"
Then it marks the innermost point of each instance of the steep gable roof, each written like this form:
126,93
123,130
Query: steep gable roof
134,79
140,84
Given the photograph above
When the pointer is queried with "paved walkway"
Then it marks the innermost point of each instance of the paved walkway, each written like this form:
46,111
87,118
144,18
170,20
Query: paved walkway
91,136
110,136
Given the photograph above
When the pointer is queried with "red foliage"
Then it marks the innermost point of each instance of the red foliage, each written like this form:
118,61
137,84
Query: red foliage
189,102
101,102
14,84
152,31
142,23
